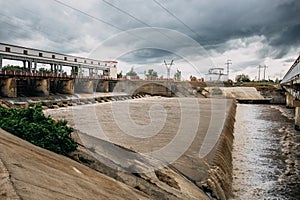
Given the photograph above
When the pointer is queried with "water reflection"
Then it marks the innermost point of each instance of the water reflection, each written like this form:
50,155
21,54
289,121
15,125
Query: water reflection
266,153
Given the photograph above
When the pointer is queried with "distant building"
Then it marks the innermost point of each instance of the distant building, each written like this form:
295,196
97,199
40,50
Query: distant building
57,61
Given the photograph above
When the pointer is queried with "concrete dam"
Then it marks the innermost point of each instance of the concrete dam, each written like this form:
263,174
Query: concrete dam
127,136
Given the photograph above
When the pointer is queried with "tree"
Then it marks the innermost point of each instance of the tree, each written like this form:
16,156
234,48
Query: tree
151,74
242,78
131,72
177,75
120,75
32,125
44,71
277,80
193,78
13,68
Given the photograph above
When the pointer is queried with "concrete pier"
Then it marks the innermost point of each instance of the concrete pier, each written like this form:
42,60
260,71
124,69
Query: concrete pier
289,100
297,118
84,86
39,87
8,87
65,86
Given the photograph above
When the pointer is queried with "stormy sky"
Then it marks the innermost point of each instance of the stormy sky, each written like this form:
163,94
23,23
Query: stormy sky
196,34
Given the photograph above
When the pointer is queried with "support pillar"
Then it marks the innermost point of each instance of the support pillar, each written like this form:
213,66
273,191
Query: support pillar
289,99
66,86
80,71
60,69
0,63
84,86
39,87
74,70
35,66
24,64
30,66
91,72
297,118
106,86
8,87
51,68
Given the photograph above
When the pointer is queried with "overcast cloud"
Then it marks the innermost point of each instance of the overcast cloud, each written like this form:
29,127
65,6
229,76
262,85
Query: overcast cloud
250,33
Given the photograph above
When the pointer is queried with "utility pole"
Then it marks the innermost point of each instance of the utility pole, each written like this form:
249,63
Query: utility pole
228,63
265,71
259,66
168,66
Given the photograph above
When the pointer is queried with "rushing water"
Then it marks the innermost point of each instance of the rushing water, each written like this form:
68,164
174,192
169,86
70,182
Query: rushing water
266,153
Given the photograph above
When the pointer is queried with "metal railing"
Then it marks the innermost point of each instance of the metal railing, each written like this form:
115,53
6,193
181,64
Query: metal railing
293,73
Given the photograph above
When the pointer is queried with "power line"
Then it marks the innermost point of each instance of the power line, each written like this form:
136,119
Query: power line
91,16
118,28
126,13
28,28
177,18
137,19
144,23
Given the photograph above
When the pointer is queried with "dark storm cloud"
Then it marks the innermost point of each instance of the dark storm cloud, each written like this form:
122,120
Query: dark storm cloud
216,22
146,56
278,21
53,26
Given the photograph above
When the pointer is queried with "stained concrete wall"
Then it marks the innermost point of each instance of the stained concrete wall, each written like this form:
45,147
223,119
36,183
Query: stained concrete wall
289,100
28,86
297,118
162,88
65,86
84,86
8,87
39,87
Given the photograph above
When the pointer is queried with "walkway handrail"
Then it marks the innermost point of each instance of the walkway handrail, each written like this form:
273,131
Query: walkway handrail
294,72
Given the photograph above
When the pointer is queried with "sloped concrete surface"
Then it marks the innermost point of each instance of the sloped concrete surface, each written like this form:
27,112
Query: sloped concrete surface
30,172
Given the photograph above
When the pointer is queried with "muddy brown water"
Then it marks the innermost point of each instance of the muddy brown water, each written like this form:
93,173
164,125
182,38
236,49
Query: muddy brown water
266,153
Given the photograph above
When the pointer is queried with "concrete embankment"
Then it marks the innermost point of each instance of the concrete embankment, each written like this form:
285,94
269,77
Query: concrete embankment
30,172
201,128
273,94
265,95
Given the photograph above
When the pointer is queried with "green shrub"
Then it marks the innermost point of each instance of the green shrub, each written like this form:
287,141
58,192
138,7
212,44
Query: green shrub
31,124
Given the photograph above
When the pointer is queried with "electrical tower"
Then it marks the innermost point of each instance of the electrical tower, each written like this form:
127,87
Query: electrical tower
265,71
228,62
168,66
259,67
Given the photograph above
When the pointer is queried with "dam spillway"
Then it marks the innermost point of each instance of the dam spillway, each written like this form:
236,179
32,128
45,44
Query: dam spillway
193,136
